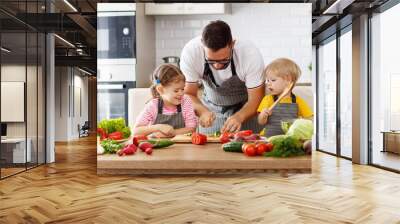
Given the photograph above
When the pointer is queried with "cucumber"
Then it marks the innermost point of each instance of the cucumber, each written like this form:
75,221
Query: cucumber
232,147
160,143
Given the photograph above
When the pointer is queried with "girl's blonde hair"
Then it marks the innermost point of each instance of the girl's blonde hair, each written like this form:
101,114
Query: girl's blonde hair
164,75
283,67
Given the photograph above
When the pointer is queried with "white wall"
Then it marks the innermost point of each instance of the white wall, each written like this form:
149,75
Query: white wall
145,47
278,30
33,126
17,73
68,82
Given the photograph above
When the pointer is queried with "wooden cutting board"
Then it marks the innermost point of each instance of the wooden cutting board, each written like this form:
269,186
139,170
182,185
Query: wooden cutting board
188,139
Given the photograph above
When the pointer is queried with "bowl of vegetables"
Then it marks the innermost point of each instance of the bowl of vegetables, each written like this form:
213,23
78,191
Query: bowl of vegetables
113,135
113,129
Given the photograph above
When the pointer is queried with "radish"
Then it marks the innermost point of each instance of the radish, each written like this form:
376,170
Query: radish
145,145
120,152
127,150
149,151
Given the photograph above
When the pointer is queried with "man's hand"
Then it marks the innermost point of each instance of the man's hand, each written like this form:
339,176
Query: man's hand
207,119
232,124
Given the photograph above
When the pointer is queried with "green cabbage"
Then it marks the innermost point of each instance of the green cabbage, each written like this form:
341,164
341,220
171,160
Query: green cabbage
302,129
285,125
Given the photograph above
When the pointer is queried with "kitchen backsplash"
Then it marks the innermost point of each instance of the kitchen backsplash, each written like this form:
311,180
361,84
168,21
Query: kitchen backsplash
278,30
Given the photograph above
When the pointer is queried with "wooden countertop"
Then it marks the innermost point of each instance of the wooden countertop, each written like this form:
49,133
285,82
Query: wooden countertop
179,158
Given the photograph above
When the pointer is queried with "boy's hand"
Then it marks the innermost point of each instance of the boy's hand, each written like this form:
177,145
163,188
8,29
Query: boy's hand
266,112
263,116
166,129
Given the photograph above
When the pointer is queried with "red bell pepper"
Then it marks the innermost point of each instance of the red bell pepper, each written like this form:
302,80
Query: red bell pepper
226,137
102,134
115,135
199,139
100,131
243,133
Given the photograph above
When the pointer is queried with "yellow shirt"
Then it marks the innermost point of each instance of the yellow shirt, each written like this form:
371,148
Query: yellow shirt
304,109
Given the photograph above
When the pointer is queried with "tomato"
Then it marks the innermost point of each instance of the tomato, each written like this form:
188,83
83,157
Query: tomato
199,139
250,150
138,138
270,147
261,148
225,137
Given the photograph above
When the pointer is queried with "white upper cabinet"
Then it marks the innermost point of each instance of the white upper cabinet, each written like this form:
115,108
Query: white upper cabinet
186,8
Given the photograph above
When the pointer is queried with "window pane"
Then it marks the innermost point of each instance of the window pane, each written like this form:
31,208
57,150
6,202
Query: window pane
385,86
346,94
14,153
327,97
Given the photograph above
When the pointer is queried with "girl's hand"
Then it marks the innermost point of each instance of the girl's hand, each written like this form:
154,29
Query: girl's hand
207,119
159,135
166,129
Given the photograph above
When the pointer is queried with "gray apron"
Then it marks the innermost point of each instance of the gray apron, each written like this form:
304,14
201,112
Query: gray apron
175,120
281,112
225,100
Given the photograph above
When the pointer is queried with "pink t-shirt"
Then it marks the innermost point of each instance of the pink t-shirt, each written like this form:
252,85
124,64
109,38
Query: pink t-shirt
149,113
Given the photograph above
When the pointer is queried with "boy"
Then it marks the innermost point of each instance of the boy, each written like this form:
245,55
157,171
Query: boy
279,75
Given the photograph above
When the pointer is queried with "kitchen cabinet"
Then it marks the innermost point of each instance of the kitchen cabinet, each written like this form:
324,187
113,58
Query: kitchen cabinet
186,8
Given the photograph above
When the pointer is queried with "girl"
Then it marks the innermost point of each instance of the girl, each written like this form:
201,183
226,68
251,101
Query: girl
170,112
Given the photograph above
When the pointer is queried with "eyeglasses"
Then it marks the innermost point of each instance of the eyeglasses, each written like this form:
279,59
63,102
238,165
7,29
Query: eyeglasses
224,62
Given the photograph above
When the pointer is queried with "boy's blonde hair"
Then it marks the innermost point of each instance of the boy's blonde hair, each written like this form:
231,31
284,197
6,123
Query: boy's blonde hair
283,67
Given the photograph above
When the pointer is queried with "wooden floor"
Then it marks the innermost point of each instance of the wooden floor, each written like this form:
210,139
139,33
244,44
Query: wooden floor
69,191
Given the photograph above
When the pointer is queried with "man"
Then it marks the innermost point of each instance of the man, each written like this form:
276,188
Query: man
231,74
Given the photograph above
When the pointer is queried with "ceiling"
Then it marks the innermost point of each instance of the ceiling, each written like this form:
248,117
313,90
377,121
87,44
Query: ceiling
76,23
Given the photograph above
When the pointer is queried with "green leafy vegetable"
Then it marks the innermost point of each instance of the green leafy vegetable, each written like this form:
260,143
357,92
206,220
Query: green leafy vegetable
302,129
110,146
285,125
126,132
285,146
112,125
